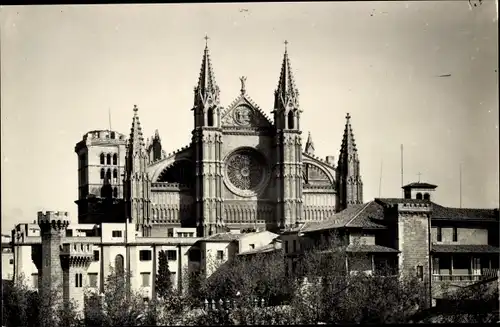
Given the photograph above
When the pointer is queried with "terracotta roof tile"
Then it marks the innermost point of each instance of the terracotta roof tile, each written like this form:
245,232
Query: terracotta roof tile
223,237
464,248
419,185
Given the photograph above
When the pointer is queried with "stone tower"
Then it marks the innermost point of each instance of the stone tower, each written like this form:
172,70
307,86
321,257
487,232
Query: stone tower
288,169
101,160
137,184
46,256
350,186
206,143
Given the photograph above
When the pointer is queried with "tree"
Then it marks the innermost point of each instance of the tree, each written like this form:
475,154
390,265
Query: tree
163,282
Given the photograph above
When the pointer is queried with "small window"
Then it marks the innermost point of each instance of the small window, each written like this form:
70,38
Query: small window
96,255
252,246
78,280
92,279
419,196
427,196
145,279
220,255
115,173
34,277
108,174
290,120
420,272
145,255
210,117
115,159
112,135
171,255
115,192
116,233
286,246
455,234
11,261
439,235
108,159
102,159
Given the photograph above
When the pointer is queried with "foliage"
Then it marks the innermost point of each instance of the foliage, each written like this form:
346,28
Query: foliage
163,281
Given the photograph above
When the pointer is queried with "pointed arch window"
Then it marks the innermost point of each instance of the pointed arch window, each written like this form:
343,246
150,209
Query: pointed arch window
115,192
119,266
210,117
108,174
102,173
102,159
115,159
291,120
419,196
115,173
108,159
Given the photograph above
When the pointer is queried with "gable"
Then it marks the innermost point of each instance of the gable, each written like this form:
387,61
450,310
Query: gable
244,113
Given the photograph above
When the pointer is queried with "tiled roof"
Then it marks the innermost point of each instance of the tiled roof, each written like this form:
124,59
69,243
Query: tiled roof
440,212
463,248
370,248
223,237
393,201
368,215
419,185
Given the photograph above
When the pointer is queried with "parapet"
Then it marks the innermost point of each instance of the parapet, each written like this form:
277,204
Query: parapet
58,220
101,137
76,254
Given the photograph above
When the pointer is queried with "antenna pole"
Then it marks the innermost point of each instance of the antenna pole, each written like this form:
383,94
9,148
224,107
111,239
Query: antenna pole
109,117
380,180
402,169
460,185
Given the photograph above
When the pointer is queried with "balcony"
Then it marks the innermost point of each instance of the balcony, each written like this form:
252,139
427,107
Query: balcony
485,274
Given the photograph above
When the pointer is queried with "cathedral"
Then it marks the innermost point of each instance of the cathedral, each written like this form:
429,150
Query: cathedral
242,170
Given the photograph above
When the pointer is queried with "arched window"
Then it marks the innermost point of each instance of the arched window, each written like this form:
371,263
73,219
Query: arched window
427,196
210,117
108,159
115,173
108,174
102,158
419,196
102,173
290,120
115,159
76,280
119,267
115,192
112,135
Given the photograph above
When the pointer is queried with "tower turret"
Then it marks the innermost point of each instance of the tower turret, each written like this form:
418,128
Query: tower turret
207,149
350,186
309,145
154,148
288,169
137,183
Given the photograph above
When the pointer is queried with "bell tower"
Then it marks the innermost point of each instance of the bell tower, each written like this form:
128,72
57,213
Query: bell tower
207,149
288,141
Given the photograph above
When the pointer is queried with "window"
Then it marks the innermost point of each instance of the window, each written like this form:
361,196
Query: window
102,173
171,255
145,255
420,272
78,280
108,174
439,235
170,232
435,265
455,234
11,261
96,255
102,159
108,159
115,192
119,266
34,277
286,246
210,117
112,135
427,196
145,279
419,196
92,279
290,120
252,246
116,233
115,173
294,245
115,159
220,255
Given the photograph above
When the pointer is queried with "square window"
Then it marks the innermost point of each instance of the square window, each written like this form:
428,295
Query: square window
420,272
11,261
145,255
220,255
171,255
252,246
117,233
92,279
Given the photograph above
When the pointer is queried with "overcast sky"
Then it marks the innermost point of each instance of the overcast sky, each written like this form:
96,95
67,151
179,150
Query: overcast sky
62,67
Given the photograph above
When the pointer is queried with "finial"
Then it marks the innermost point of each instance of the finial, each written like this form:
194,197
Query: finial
206,40
286,45
135,108
348,116
243,80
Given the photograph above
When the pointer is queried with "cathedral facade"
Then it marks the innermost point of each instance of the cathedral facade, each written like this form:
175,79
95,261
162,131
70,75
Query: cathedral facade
242,170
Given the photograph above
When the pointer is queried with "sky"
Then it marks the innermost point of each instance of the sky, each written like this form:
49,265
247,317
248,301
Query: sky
64,68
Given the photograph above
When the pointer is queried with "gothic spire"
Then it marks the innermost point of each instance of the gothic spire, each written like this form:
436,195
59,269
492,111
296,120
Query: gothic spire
206,88
348,144
309,145
286,91
136,141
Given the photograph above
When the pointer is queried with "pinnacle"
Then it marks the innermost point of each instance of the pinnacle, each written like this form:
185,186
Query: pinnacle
136,137
348,142
309,145
206,80
286,84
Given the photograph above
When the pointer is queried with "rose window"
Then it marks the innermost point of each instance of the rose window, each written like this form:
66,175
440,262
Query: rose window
244,170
